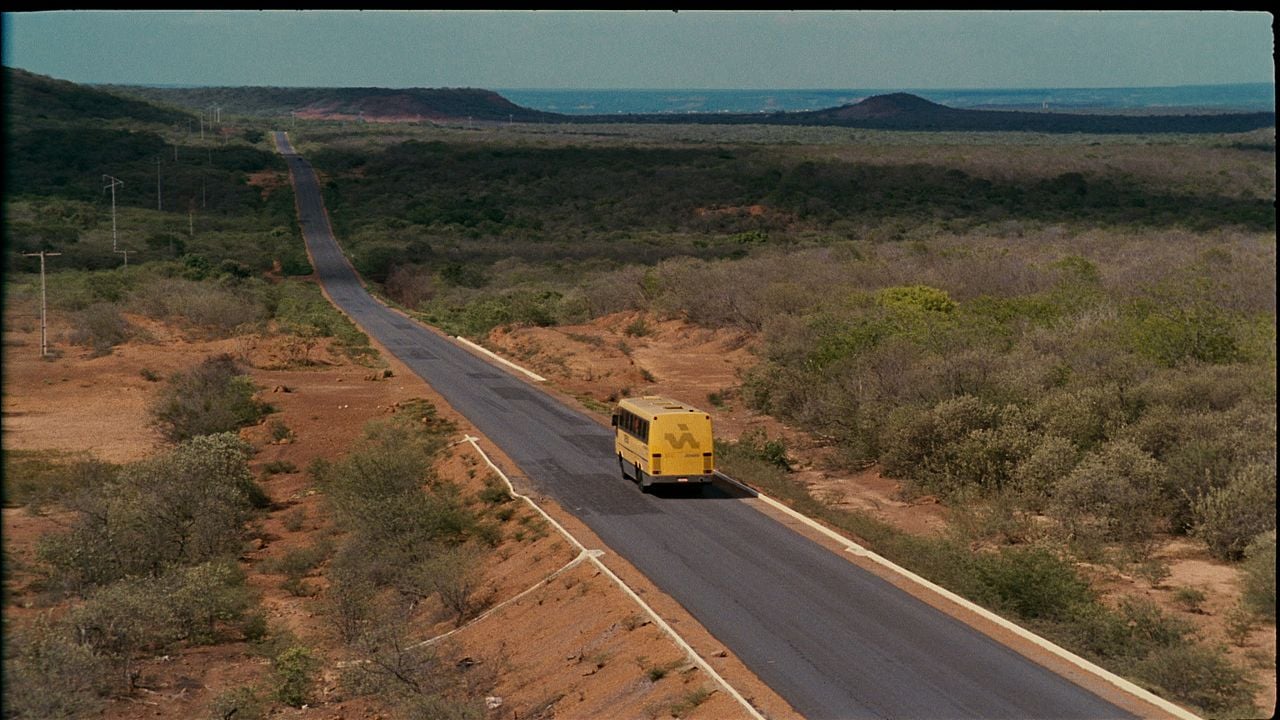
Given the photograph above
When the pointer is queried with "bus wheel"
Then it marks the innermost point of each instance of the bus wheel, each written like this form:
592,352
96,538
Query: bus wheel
622,468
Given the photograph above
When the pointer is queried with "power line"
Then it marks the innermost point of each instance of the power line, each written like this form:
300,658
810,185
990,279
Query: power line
44,325
113,183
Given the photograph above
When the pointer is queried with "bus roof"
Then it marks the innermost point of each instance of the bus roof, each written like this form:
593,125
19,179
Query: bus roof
656,405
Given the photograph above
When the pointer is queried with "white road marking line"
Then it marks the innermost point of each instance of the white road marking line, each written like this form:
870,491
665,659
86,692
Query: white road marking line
504,361
594,557
856,549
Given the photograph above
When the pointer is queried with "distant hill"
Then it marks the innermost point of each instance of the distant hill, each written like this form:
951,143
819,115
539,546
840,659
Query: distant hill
371,104
893,111
904,111
32,97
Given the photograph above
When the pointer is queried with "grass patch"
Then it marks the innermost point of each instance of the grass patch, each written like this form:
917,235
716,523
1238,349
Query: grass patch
38,478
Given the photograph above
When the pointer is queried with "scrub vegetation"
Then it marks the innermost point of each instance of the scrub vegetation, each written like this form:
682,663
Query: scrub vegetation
1072,335
1078,339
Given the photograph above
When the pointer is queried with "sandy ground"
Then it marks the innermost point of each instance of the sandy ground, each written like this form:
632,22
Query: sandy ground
565,643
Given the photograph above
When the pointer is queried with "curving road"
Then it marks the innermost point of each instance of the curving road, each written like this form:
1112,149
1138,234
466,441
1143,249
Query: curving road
832,639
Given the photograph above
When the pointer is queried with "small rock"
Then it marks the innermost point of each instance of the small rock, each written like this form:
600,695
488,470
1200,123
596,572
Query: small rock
493,701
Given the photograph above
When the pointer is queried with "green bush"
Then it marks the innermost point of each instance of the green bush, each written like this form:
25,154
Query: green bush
1259,591
959,445
241,703
1184,324
1037,474
302,310
758,445
1200,676
378,490
186,506
206,597
1202,450
1086,416
123,619
278,431
916,443
916,298
48,674
1229,517
1032,583
297,563
638,328
1113,494
213,397
155,613
1118,637
294,673
453,574
406,525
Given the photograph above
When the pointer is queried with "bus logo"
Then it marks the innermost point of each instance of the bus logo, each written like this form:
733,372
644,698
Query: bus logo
685,439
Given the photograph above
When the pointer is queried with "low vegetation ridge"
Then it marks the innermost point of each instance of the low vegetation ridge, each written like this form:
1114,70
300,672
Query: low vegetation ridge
895,111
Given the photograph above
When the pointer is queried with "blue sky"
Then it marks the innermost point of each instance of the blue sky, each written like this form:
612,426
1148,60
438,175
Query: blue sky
645,49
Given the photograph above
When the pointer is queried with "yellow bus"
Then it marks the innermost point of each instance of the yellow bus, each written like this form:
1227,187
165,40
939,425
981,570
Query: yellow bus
659,440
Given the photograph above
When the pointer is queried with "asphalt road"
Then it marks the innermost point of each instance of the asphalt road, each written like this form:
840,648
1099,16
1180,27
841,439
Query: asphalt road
832,639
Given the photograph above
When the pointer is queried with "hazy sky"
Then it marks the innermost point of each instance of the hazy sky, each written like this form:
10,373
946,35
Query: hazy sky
645,49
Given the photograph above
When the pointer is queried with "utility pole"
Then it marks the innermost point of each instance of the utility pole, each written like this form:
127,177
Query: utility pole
113,183
158,161
44,325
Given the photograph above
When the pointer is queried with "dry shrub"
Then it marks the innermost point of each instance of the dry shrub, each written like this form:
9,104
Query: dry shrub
1228,518
1259,592
220,310
1113,495
49,674
100,327
411,285
186,506
1201,676
215,396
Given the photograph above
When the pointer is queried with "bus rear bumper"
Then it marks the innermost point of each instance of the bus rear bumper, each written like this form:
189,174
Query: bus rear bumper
646,479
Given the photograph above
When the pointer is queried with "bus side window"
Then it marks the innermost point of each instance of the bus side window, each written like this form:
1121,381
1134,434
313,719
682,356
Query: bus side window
644,430
613,420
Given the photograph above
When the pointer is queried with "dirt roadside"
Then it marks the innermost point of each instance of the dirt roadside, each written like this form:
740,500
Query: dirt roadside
561,641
